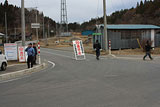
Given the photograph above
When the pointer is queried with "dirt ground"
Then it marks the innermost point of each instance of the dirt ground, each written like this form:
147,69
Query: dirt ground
67,42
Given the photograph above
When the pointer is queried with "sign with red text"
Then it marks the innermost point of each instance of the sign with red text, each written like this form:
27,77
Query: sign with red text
78,49
22,56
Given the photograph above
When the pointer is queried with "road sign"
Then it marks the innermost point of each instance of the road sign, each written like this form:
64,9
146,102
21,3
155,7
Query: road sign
35,25
78,50
11,51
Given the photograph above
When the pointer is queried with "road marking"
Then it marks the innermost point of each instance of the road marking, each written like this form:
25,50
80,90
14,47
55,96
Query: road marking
53,64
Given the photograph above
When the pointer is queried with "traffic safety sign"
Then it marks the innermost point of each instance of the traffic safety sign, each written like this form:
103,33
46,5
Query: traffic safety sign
78,50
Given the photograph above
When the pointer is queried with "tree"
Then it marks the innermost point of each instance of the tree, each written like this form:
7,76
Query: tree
6,3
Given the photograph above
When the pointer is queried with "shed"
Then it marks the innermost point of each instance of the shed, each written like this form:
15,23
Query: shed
1,38
87,33
124,36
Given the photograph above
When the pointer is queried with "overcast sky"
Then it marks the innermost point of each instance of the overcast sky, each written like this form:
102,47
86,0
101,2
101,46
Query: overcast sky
78,10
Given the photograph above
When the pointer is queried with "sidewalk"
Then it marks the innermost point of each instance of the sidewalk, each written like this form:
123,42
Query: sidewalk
14,68
16,71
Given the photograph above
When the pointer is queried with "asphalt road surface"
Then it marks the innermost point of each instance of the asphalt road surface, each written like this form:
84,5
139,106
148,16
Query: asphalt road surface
109,82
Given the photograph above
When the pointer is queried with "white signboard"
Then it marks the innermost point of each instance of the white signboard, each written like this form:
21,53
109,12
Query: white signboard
35,25
22,56
78,49
11,51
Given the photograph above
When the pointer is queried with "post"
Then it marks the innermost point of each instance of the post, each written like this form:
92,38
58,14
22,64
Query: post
110,47
15,32
6,27
37,22
39,53
23,22
48,30
105,27
46,40
43,28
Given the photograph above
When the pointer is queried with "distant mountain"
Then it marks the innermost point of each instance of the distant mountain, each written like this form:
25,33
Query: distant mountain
14,19
147,12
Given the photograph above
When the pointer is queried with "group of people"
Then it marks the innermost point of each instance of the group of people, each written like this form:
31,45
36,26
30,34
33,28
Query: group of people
32,54
147,48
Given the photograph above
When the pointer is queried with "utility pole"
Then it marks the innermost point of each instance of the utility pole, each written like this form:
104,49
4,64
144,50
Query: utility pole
48,30
43,28
105,27
6,27
37,22
15,32
23,23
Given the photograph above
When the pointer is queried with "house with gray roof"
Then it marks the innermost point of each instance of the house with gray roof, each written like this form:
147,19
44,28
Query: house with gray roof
125,36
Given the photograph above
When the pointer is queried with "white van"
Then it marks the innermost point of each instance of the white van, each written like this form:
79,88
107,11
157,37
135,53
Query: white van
3,61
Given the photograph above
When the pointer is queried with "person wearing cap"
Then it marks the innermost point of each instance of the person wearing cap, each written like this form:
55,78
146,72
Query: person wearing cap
31,53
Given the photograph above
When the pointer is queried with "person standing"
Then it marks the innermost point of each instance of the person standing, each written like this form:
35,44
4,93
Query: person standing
97,47
148,50
35,56
31,53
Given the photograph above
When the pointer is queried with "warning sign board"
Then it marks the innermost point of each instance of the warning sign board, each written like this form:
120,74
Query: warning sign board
78,50
21,51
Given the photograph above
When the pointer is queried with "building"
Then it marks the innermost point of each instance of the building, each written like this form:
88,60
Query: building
1,38
128,36
87,33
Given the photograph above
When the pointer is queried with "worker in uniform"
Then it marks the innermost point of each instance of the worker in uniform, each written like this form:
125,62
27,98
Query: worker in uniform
97,47
31,53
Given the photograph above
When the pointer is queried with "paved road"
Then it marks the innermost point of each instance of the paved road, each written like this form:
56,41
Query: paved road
109,82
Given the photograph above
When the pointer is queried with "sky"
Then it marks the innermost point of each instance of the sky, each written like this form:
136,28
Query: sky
77,10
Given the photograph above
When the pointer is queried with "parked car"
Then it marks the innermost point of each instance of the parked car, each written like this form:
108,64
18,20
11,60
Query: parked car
3,62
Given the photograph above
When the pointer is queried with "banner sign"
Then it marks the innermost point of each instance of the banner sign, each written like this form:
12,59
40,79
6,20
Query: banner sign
21,51
78,48
10,51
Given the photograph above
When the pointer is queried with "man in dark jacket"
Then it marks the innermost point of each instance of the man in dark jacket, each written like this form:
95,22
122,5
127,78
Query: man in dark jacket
97,47
148,50
31,53
35,49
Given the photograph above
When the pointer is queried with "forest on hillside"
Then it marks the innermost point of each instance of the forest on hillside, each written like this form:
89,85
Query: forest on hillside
147,12
13,14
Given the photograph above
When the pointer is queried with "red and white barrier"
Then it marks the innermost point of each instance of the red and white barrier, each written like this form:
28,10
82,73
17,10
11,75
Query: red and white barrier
110,47
39,51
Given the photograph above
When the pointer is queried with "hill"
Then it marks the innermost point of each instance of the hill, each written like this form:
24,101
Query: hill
14,19
147,12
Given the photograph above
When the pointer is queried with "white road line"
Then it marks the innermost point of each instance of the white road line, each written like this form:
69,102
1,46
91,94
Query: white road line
53,64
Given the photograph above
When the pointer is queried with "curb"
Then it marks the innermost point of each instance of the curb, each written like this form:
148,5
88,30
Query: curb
20,73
